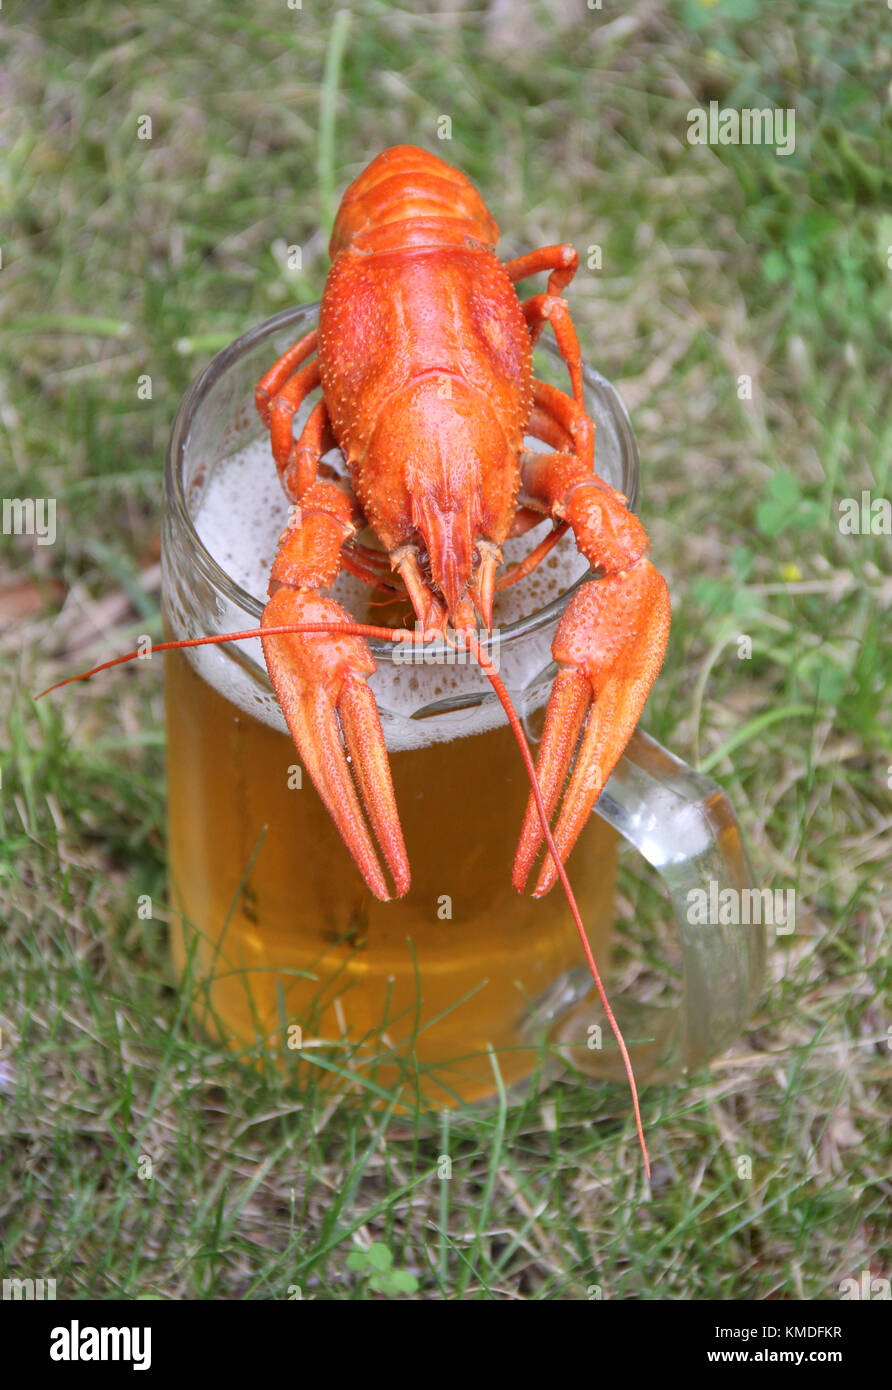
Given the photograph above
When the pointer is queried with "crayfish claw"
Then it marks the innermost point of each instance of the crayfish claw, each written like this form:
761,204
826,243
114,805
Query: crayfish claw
319,679
365,742
571,696
610,646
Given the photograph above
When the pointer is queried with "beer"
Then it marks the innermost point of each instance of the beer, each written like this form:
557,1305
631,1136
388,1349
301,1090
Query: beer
286,946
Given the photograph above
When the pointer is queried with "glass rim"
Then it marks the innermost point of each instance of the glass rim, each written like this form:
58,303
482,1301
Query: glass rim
221,582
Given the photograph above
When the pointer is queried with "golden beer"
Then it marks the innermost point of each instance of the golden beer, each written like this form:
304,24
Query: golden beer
289,945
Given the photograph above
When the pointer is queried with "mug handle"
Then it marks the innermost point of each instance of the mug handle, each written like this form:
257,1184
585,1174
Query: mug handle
684,825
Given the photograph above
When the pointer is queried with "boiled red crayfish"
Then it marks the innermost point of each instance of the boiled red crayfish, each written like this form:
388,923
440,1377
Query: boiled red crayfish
425,358
424,355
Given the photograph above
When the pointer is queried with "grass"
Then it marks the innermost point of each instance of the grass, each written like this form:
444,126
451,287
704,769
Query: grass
126,259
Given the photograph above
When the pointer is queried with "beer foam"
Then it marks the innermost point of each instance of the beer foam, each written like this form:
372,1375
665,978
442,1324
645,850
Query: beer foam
239,517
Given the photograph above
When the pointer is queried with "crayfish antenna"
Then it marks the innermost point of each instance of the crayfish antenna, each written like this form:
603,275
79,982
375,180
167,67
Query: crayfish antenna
384,634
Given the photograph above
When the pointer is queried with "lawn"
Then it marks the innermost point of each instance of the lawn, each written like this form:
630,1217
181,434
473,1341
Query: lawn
742,305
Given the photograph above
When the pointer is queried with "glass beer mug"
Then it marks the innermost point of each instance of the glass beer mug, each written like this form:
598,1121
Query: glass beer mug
284,948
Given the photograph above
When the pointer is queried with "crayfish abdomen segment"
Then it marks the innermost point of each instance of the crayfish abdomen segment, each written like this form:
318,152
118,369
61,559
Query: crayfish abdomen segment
407,188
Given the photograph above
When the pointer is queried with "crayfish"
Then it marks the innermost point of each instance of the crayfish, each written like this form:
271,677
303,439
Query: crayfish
425,357
424,354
